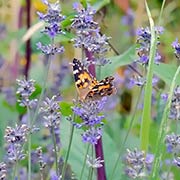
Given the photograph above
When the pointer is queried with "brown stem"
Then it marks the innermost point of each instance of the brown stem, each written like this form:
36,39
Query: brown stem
28,43
101,173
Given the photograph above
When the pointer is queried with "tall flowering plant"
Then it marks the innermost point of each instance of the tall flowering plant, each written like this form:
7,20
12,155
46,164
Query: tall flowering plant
34,146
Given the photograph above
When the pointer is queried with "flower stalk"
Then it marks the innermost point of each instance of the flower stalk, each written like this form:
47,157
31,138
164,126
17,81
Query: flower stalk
28,43
84,163
55,151
68,152
29,145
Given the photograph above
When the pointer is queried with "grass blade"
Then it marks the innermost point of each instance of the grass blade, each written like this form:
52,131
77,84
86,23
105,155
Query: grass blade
146,116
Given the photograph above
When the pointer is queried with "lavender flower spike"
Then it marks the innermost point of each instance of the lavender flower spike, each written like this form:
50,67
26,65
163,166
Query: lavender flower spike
52,19
137,164
88,34
17,134
51,112
176,46
25,90
94,163
175,105
92,135
3,171
173,143
15,138
144,41
89,111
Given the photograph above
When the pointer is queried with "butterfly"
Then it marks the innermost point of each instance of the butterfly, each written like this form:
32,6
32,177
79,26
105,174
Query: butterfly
89,87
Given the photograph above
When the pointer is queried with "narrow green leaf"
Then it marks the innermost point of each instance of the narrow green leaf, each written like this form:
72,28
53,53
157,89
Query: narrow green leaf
166,72
116,61
64,37
78,148
68,20
84,3
163,129
162,8
146,115
78,151
100,4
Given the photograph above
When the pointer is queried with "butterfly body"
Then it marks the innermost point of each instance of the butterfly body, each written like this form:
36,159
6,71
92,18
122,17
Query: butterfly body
89,87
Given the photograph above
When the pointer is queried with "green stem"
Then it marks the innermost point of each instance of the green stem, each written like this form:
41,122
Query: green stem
169,170
90,176
68,151
15,170
126,137
90,173
43,88
146,115
84,163
160,15
29,145
98,72
163,129
55,151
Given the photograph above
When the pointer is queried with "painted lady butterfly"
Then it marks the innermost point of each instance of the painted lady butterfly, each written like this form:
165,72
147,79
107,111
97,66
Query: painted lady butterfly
87,85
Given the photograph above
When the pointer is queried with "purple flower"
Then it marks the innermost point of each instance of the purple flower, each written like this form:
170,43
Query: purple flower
15,140
89,111
137,164
42,164
149,162
52,30
176,161
159,30
175,43
144,41
158,58
175,105
15,153
155,80
88,34
135,80
176,46
91,119
53,19
94,163
164,96
51,112
92,135
83,21
3,171
53,15
172,143
17,135
26,87
25,90
144,59
144,36
53,176
50,49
